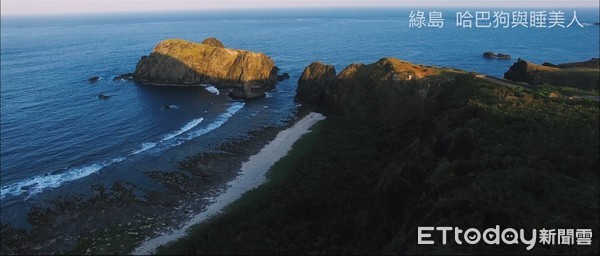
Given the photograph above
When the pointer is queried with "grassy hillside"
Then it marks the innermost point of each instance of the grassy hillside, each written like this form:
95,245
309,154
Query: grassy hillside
478,155
582,75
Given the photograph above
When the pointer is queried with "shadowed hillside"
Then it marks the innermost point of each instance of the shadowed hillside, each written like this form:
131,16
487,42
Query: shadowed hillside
464,153
581,75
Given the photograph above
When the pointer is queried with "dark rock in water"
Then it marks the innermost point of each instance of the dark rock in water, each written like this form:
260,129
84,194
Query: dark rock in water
124,77
103,97
93,79
247,93
597,23
179,62
489,55
313,82
214,42
503,56
283,76
170,107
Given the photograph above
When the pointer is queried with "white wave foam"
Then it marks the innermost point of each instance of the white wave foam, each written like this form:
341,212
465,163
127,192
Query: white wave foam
145,146
183,129
220,120
148,145
212,90
40,183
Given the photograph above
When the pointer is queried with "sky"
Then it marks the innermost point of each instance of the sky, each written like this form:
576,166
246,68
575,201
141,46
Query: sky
33,7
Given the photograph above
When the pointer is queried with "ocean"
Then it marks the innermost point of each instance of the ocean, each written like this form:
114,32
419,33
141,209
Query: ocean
58,138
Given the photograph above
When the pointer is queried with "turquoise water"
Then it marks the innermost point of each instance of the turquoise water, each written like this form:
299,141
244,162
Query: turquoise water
56,135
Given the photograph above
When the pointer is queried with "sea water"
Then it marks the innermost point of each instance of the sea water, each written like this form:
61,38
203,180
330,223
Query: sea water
57,135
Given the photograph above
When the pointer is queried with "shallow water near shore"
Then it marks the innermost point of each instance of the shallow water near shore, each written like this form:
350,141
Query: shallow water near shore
60,140
252,174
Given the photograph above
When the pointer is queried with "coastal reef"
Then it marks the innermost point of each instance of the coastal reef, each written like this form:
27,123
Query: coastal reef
180,62
581,75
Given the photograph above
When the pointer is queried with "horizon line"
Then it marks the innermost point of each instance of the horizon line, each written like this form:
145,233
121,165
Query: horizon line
274,8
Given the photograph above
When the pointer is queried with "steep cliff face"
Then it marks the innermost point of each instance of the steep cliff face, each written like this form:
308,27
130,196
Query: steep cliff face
583,75
382,90
180,62
524,71
313,81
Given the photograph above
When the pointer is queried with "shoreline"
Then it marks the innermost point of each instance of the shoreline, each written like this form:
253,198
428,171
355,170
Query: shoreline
369,194
252,174
129,218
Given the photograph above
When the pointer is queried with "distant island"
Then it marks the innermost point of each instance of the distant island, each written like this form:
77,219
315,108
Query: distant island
491,55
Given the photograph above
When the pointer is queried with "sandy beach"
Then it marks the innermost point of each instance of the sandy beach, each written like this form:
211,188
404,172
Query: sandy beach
252,174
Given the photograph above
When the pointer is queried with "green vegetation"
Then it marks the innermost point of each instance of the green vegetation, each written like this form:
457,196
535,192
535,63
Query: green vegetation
478,155
575,77
582,75
565,91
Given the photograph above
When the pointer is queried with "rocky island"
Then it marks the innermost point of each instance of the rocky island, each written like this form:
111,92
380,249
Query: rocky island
180,62
491,55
